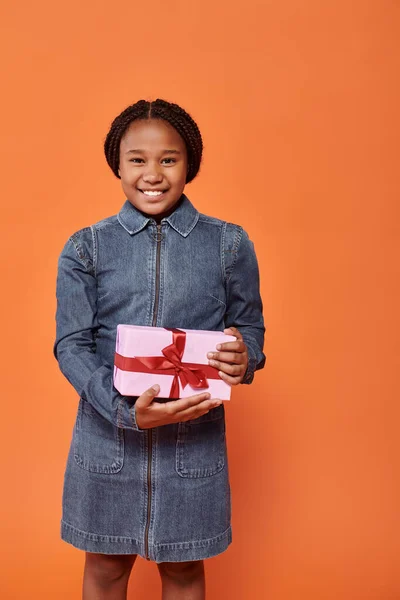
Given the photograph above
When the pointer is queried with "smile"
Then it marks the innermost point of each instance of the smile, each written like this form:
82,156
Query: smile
153,193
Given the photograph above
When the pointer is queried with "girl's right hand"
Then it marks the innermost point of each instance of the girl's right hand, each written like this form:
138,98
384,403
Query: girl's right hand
154,414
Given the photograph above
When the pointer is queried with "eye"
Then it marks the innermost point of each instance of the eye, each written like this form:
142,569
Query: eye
170,159
135,159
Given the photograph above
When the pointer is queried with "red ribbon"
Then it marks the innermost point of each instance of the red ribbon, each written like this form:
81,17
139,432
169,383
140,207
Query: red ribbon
171,364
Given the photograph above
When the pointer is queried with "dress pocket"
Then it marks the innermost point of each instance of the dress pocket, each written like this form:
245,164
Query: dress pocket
98,444
201,445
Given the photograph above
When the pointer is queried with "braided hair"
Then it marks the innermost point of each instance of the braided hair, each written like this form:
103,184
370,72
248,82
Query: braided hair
157,109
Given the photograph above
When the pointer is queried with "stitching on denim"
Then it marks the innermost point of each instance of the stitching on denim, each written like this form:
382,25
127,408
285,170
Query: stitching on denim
109,221
223,238
86,465
234,250
236,243
119,413
120,221
94,242
121,444
152,281
151,262
89,465
78,250
251,367
211,220
156,497
153,510
97,537
191,227
132,231
143,480
195,543
85,260
217,299
199,473
133,418
216,414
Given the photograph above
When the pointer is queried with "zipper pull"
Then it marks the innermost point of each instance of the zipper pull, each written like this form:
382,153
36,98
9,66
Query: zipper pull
159,234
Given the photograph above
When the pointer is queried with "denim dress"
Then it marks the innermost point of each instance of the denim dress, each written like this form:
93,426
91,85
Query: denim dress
162,493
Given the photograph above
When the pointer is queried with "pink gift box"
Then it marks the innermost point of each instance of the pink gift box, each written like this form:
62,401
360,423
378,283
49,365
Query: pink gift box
175,359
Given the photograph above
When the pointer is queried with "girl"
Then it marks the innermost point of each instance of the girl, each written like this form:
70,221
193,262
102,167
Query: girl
144,476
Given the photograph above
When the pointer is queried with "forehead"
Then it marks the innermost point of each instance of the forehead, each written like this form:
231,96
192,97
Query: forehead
151,134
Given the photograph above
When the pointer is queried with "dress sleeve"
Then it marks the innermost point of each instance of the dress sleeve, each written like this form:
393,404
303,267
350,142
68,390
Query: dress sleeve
75,344
244,305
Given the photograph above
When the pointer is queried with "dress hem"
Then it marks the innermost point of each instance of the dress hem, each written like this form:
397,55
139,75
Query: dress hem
162,552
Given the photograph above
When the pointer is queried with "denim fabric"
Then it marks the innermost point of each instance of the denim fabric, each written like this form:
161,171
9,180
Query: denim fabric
162,493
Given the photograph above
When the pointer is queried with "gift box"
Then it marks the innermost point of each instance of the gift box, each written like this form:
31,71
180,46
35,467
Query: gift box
175,359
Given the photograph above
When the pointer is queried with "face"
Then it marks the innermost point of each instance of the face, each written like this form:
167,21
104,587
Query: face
153,166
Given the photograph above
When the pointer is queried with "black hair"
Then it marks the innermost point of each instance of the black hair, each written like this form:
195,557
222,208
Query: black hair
156,109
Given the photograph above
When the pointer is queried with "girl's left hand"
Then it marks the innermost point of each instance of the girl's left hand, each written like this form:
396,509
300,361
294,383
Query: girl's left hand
232,360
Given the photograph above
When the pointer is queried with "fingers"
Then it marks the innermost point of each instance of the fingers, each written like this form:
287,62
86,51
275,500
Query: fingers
236,369
152,414
233,331
238,346
174,406
148,396
229,379
197,411
231,363
230,357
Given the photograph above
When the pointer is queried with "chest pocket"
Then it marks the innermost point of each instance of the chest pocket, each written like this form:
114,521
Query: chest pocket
98,445
201,445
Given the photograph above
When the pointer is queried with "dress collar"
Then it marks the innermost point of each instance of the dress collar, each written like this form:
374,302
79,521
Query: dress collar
183,219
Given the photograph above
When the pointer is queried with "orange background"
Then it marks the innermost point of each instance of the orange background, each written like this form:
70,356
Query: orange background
298,104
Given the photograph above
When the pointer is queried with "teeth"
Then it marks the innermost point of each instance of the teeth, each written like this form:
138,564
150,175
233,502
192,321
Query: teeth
149,193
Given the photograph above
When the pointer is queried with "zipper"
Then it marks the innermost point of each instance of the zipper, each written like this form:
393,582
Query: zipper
157,299
150,431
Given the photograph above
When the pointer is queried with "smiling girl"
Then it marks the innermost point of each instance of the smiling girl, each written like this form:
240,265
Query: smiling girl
145,477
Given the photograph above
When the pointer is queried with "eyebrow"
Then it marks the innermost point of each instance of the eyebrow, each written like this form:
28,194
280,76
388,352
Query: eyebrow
138,151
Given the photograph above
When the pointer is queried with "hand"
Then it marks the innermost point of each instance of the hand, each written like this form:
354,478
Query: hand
154,414
233,360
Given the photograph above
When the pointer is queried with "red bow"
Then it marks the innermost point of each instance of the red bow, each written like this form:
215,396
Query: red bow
187,373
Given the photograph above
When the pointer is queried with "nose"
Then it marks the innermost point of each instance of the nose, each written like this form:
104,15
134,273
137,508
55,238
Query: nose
153,173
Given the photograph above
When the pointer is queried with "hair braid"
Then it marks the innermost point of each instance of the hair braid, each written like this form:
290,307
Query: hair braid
158,109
